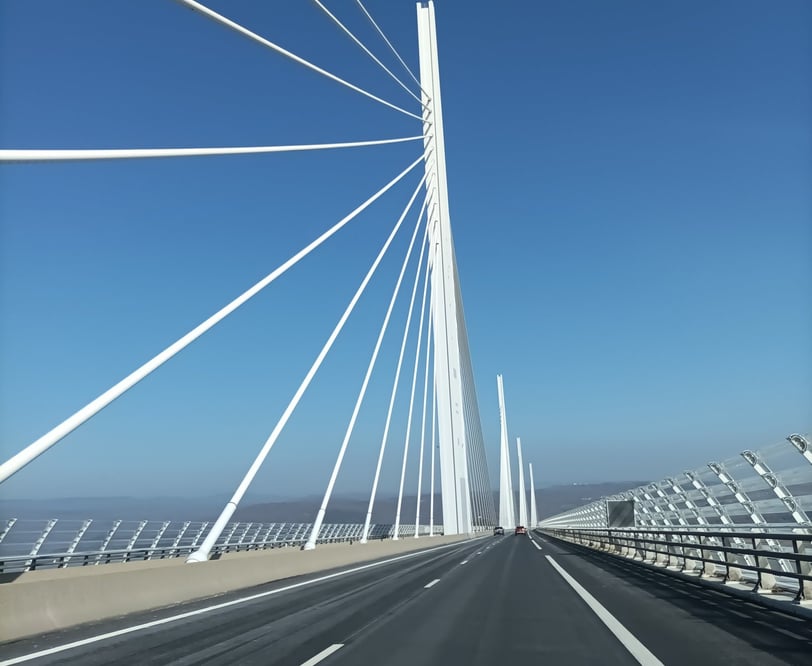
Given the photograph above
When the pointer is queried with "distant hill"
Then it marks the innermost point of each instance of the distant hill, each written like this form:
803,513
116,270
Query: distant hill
556,499
550,501
342,509
110,508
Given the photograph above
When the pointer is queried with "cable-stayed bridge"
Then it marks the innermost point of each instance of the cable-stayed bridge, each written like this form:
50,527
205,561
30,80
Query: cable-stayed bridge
464,597
440,349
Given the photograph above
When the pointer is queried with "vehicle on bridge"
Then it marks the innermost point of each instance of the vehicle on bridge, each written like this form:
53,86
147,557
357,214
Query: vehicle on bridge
520,529
499,531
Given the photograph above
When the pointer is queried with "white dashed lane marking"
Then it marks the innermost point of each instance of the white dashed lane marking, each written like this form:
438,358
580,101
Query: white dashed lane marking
321,656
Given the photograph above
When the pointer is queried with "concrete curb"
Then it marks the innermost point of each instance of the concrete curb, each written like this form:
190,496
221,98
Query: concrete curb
41,601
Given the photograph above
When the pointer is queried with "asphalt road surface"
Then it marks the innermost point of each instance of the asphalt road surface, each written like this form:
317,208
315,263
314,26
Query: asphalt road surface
498,600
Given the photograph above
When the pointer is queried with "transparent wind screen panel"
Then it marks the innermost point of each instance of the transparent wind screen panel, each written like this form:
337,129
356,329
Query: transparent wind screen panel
22,536
671,504
792,470
744,475
783,457
716,490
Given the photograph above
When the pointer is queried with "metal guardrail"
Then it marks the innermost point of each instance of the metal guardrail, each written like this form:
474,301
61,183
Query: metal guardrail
772,562
27,545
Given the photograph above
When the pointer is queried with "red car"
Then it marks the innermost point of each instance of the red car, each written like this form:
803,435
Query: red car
520,529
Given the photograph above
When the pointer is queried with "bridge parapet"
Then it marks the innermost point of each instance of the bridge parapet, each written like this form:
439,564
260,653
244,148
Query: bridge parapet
760,489
27,545
744,520
778,568
39,601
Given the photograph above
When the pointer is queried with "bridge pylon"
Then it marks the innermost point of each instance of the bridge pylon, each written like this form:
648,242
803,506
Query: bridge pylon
533,511
522,491
507,512
446,302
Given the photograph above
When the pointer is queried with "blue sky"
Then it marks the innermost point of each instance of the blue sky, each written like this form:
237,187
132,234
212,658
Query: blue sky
630,188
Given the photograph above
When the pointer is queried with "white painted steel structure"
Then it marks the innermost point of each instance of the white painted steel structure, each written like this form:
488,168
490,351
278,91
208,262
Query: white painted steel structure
534,520
507,509
773,482
745,519
464,480
522,492
28,544
802,444
446,307
770,488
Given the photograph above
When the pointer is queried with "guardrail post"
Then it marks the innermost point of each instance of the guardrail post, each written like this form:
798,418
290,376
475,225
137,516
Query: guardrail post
157,539
203,526
702,564
9,525
766,580
227,540
134,538
803,569
32,564
651,543
733,574
109,537
758,587
629,543
637,551
717,556
689,552
681,546
806,569
664,556
179,535
76,539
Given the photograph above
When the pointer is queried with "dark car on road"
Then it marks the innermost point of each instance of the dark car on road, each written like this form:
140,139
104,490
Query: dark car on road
520,529
499,531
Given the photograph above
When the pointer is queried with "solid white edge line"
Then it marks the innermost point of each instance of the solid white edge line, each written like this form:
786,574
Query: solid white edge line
225,604
323,654
432,583
639,651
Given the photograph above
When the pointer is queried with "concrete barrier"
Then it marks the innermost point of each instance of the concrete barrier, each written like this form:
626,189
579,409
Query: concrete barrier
46,600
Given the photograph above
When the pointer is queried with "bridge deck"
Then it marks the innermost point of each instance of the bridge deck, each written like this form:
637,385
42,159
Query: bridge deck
489,601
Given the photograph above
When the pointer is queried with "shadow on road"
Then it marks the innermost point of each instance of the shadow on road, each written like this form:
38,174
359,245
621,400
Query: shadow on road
782,635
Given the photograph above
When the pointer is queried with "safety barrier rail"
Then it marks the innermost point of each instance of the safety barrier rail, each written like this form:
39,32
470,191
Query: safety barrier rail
26,545
776,562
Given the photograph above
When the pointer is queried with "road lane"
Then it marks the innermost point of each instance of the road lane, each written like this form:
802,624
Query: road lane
685,623
497,608
271,629
489,601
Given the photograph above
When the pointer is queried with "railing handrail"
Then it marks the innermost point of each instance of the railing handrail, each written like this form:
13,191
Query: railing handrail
333,533
712,548
692,530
